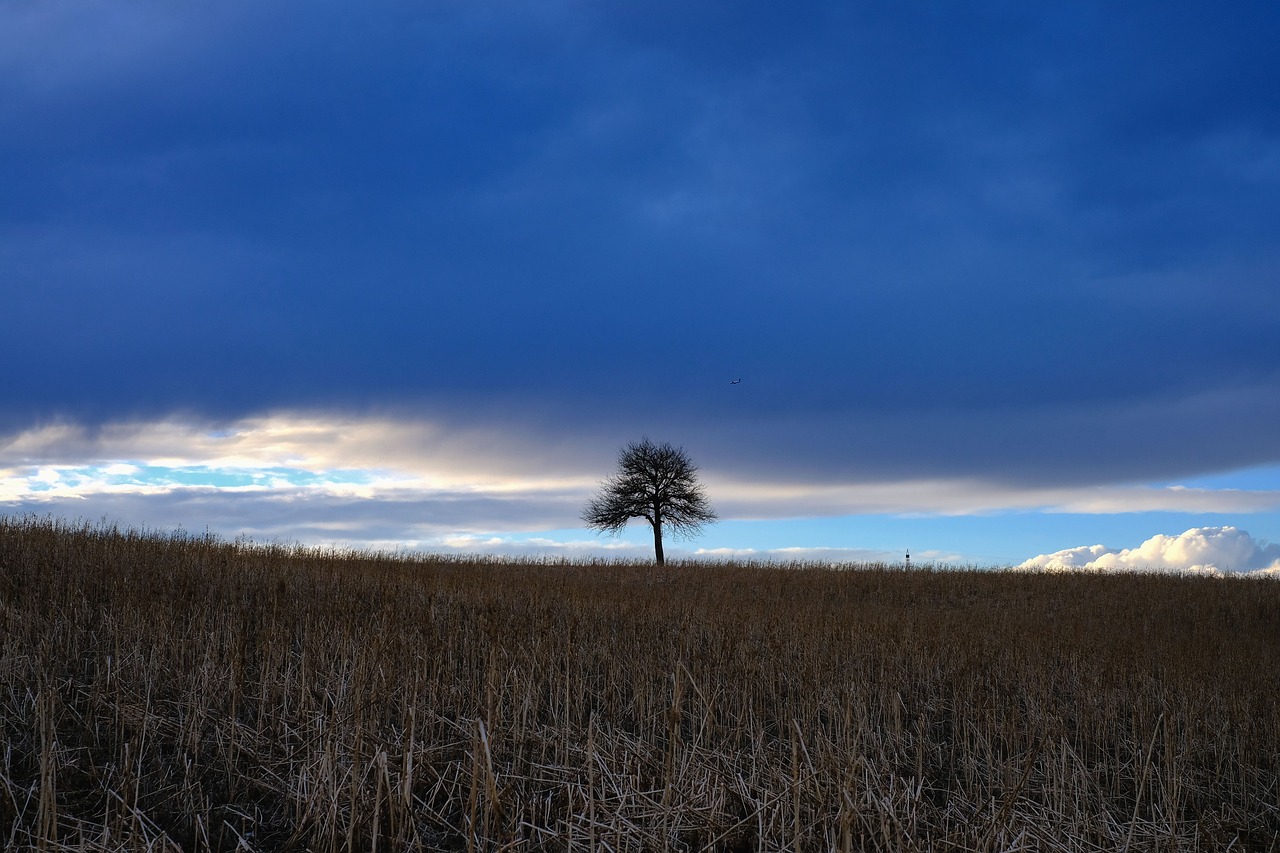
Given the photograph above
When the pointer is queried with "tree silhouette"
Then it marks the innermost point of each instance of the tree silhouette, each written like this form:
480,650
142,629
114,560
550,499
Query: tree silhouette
656,482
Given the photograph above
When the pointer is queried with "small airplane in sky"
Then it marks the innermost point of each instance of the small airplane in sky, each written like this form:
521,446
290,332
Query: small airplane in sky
734,381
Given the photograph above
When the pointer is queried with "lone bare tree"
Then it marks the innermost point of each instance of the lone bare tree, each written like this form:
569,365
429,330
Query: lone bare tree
656,482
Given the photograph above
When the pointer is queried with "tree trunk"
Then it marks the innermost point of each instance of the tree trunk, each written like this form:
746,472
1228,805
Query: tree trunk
657,539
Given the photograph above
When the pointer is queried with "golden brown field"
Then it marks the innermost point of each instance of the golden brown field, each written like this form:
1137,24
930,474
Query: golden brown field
172,692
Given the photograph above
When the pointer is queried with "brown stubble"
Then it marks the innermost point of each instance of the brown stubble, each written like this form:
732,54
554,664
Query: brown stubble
177,692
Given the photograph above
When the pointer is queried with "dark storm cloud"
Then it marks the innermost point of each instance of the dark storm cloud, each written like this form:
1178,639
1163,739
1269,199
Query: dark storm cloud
1026,244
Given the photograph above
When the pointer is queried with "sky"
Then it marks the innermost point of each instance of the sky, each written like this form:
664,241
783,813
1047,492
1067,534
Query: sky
1001,282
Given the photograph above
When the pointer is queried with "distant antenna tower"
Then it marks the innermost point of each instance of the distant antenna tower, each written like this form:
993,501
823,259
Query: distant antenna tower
907,563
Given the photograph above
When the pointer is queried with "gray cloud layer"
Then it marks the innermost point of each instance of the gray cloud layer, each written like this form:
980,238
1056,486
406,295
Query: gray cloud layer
371,482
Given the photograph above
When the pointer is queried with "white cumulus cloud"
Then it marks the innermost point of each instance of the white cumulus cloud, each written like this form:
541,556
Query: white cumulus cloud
1200,550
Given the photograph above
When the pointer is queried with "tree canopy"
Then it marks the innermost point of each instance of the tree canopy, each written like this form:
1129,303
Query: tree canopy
656,482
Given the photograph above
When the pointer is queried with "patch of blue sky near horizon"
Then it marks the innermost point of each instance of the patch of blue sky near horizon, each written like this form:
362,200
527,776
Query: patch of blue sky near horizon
964,542
123,476
988,540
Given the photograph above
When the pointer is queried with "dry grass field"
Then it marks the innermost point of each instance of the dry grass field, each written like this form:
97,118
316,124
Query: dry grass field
166,692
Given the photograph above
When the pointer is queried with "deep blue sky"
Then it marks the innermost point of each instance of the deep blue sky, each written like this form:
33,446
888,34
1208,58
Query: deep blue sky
1026,247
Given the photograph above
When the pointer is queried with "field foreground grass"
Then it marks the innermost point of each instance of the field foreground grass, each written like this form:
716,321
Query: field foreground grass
165,692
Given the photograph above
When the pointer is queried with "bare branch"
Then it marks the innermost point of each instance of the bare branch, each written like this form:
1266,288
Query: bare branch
656,482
